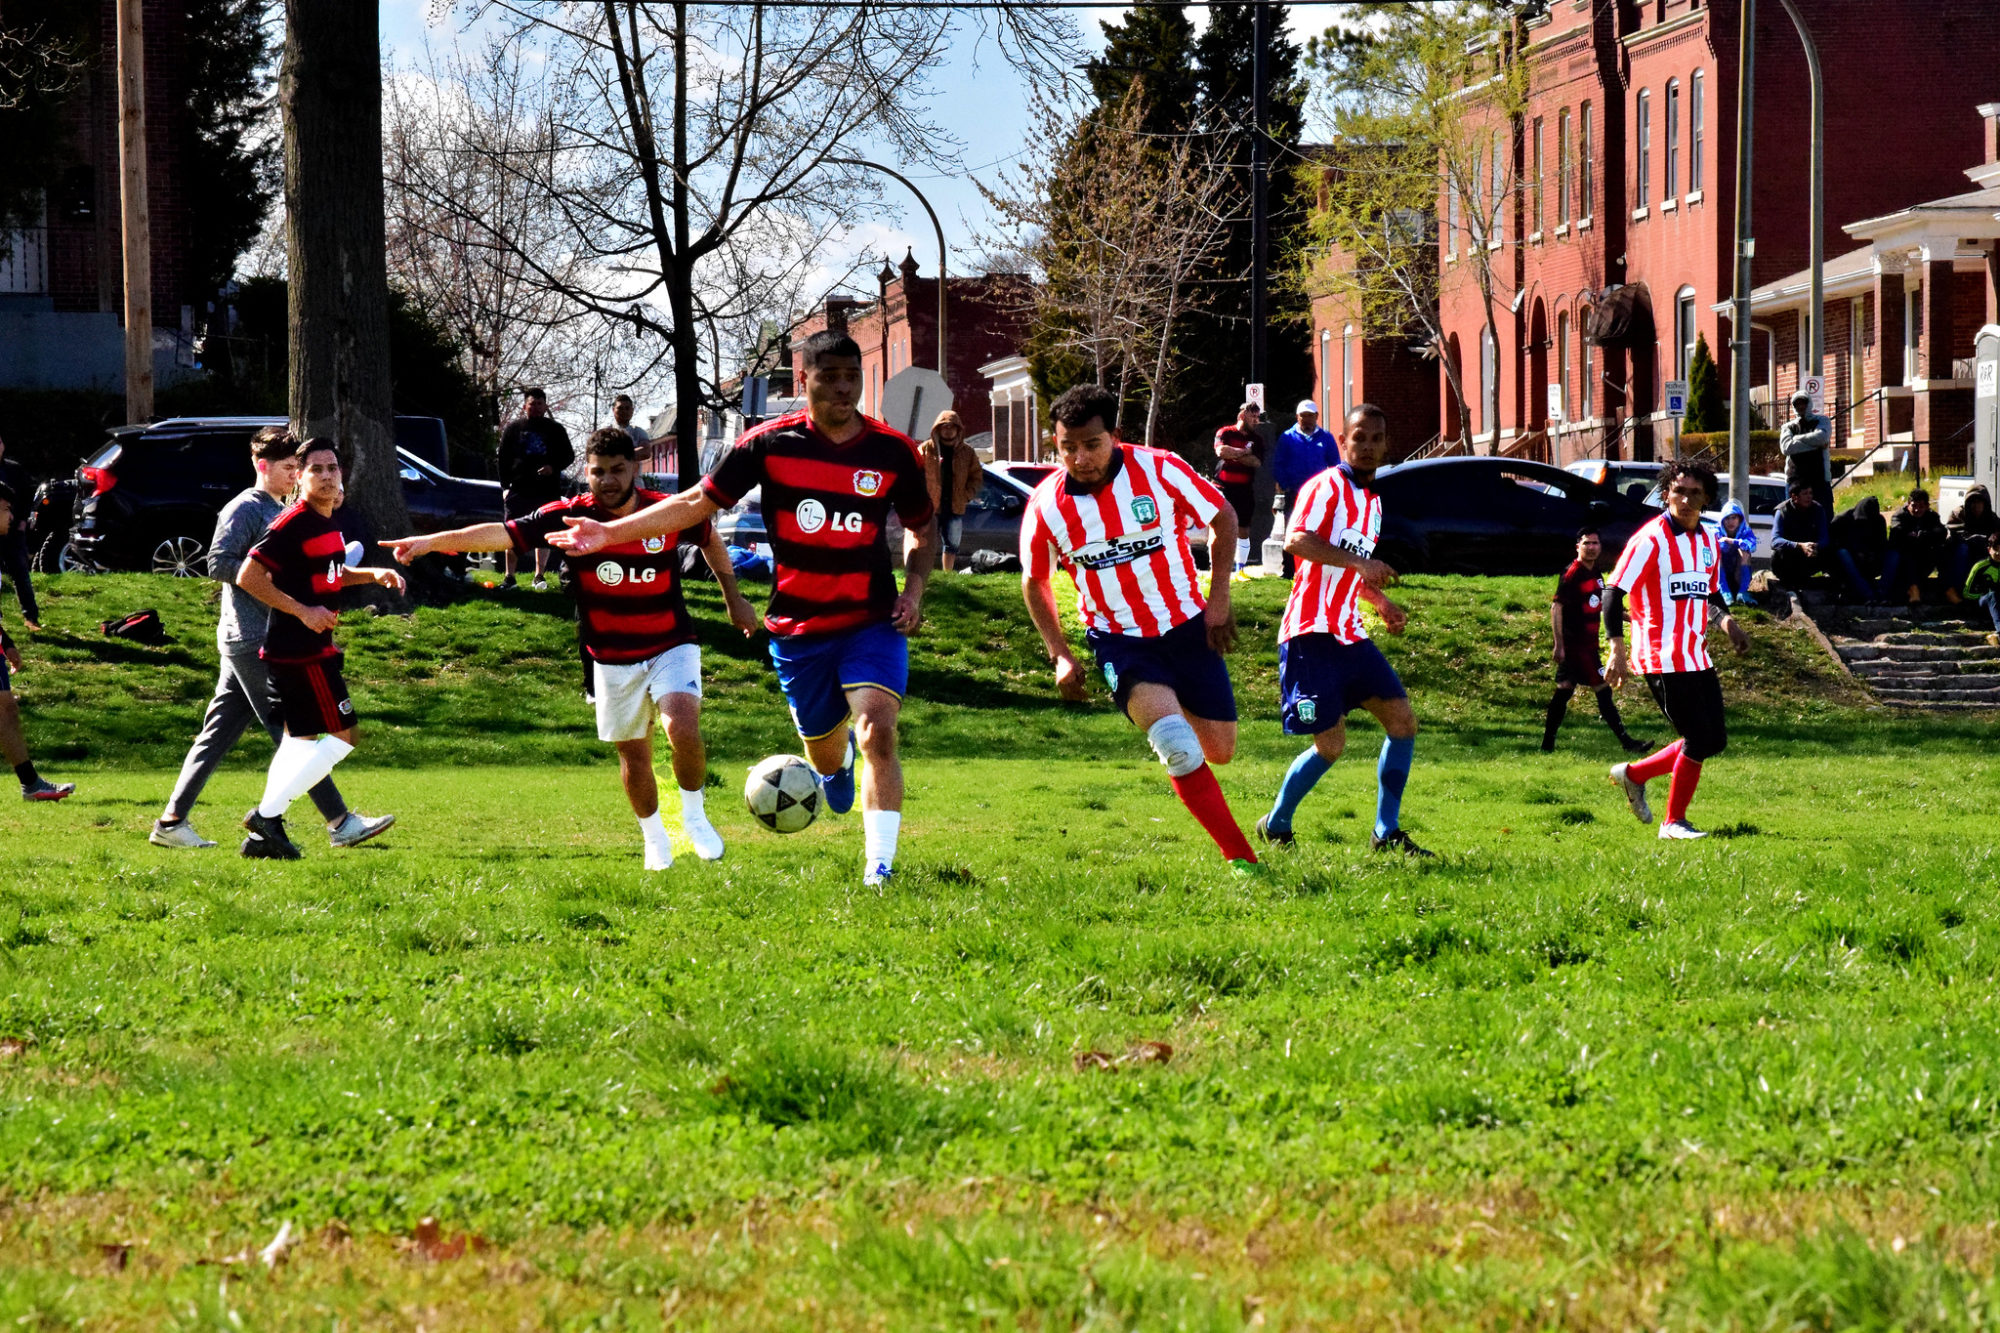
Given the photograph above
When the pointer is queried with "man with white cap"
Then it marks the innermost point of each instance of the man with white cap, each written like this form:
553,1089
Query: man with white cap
1300,454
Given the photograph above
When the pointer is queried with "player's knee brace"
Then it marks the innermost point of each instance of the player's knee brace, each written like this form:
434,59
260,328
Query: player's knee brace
1173,739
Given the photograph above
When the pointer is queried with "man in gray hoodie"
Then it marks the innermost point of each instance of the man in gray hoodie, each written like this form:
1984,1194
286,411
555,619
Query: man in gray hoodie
1807,440
243,691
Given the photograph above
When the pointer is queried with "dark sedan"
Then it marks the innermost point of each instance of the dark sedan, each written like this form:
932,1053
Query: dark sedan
1495,516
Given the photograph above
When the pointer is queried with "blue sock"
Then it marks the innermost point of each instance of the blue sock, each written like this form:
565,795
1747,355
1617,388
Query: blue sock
1307,769
1392,771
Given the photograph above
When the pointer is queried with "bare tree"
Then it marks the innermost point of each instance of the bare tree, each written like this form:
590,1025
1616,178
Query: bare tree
691,147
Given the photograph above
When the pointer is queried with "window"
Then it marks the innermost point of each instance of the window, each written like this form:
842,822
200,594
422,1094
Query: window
1475,229
1562,167
1694,132
1537,178
1910,308
1857,348
1585,177
1451,219
1489,384
1672,187
1346,372
1497,193
1584,378
1642,189
1326,374
1684,330
1561,404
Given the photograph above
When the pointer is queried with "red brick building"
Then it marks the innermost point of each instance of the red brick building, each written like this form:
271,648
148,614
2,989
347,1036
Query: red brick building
62,286
1614,248
1350,368
986,318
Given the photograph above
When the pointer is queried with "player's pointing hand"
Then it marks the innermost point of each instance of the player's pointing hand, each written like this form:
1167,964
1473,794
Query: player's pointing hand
406,549
585,536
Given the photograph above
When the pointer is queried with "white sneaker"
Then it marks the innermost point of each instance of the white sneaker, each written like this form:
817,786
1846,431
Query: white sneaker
706,841
1679,830
659,856
356,828
176,835
1635,794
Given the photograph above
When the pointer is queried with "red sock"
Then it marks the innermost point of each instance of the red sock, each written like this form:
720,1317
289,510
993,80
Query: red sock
1680,793
1655,765
1202,795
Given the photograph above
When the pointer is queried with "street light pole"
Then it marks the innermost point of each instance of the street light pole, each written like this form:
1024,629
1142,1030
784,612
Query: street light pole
1746,247
935,225
1260,183
1815,349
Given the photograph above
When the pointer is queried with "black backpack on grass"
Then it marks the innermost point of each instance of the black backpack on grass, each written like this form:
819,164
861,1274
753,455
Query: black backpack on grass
140,627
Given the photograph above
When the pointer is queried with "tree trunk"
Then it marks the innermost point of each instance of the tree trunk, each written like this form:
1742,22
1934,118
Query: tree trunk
680,280
330,89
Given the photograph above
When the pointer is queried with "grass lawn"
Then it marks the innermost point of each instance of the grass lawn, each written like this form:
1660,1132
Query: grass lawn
1565,1075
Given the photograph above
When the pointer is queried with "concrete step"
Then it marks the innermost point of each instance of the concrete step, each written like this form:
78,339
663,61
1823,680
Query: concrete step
1957,674
1871,651
1932,697
1935,638
1870,627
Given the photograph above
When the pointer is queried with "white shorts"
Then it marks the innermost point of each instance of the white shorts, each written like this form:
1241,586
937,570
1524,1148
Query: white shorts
629,695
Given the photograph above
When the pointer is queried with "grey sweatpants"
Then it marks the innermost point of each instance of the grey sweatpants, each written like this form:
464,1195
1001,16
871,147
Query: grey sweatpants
242,694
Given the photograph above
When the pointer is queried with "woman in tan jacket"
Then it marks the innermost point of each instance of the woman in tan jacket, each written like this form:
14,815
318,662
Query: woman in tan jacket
953,473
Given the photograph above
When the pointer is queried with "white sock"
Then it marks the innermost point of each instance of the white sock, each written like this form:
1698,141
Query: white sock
1242,552
297,766
878,835
654,829
692,806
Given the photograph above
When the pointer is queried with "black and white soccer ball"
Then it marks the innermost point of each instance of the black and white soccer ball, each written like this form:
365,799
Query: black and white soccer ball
783,793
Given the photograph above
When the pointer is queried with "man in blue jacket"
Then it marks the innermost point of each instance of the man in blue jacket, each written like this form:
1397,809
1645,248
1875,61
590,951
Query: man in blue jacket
1300,454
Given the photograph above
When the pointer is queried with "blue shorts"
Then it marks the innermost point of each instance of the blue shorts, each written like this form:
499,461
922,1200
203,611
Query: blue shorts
1180,659
1321,680
817,670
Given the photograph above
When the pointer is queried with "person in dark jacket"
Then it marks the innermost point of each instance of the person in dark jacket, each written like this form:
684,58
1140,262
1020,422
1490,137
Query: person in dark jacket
1862,532
14,545
1802,548
534,453
1971,522
1917,540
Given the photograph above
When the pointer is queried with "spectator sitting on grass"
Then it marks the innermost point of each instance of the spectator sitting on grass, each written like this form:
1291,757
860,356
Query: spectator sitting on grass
1862,532
1801,550
1982,585
1916,547
1735,545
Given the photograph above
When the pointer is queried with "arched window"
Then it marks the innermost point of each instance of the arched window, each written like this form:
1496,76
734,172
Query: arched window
1673,127
1586,379
1326,375
1346,372
1488,419
1642,129
1562,367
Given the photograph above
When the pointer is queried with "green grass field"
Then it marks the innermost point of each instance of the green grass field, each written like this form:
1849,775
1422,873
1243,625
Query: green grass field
1564,1076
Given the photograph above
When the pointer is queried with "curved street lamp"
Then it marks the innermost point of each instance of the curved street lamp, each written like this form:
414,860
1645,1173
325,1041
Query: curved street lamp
936,226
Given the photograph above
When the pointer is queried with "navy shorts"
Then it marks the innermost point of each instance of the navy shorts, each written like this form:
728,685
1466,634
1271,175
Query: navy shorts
1180,659
817,670
1321,680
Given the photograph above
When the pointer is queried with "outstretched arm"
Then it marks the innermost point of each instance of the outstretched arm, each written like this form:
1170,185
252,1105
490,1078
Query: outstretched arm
1041,600
457,541
676,513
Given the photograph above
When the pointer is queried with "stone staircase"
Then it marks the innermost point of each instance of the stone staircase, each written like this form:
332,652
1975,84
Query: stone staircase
1930,657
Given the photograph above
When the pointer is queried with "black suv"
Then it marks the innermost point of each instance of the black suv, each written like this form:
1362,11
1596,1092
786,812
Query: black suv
148,499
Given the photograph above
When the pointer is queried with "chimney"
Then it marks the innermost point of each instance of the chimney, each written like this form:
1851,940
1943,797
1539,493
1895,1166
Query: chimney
837,307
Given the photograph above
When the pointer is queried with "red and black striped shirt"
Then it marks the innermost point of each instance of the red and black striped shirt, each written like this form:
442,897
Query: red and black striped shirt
826,507
628,596
306,554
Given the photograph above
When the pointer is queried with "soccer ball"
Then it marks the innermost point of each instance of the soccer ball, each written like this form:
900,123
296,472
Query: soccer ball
783,793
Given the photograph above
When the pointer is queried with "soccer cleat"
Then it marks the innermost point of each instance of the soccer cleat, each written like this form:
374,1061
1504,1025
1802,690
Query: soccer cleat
659,856
1633,745
1679,830
702,835
1283,837
355,829
180,833
541,584
267,840
839,787
878,875
1249,869
508,584
1635,793
1395,840
41,789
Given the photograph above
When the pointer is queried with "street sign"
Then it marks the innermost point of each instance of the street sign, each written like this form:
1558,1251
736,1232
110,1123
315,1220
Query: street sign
1677,398
1816,386
913,398
1254,393
1555,402
755,389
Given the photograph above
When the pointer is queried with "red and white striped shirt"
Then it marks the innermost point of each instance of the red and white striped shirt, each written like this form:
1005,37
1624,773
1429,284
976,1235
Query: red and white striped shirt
1125,543
1326,599
1667,576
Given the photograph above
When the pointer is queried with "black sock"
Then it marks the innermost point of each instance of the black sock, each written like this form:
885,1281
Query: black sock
1607,708
1558,705
25,770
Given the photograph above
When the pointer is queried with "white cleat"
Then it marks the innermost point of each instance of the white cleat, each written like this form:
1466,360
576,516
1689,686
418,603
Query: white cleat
878,875
180,834
659,856
1679,830
1635,794
355,829
702,836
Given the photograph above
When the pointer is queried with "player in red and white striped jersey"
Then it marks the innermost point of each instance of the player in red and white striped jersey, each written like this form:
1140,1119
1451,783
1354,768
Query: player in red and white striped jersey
1668,572
1327,666
1117,517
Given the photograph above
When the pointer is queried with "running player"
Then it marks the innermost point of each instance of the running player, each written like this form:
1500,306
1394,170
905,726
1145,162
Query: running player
839,629
1578,606
297,568
1668,569
1327,665
1117,516
635,627
34,787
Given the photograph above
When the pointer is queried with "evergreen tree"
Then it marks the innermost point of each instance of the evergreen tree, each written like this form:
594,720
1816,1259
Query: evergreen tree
1706,411
229,173
1154,46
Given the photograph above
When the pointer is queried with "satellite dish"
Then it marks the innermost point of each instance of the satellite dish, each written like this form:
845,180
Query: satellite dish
913,399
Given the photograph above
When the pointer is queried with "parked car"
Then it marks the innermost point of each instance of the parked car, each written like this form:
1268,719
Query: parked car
1495,516
1030,475
148,498
1767,492
1618,474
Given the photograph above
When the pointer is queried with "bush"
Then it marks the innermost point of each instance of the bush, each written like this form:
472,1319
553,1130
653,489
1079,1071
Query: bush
1706,412
1711,448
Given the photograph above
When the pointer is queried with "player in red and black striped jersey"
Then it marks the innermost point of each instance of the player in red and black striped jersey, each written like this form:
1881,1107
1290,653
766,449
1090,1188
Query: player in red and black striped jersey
1575,614
297,568
830,478
635,626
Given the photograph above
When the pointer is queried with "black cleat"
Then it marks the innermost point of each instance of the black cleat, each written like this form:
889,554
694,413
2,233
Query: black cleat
1633,745
267,840
1397,841
1282,837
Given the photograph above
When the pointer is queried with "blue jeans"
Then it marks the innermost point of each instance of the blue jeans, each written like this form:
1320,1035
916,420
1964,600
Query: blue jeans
1991,601
1735,572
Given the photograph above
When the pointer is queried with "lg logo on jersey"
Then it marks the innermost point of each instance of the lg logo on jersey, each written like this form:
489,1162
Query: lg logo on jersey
812,516
611,574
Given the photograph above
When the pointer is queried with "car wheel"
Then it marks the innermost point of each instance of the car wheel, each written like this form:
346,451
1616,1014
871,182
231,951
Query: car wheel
69,562
183,557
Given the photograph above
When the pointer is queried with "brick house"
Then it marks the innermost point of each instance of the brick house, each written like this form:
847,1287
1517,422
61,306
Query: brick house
62,285
1616,241
986,320
1902,312
1350,368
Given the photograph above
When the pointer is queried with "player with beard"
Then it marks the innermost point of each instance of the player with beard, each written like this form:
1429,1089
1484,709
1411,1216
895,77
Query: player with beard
636,628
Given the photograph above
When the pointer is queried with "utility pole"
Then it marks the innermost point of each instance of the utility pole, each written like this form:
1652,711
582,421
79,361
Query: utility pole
1815,339
1746,248
134,216
1260,182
